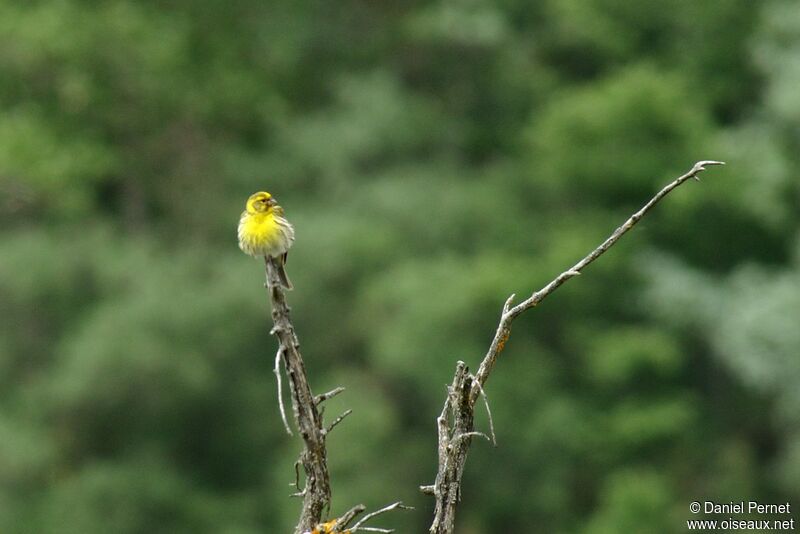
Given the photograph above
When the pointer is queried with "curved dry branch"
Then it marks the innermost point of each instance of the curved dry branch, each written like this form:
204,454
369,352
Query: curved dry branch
456,422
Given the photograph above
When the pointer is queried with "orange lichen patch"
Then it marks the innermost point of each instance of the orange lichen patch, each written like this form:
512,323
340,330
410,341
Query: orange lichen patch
327,528
502,343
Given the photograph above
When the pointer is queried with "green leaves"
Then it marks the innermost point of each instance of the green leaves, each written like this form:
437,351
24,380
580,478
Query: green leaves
618,138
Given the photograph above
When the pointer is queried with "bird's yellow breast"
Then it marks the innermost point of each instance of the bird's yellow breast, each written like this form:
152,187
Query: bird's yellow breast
261,234
259,225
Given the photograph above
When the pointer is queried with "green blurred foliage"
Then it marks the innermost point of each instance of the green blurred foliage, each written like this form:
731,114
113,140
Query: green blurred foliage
435,157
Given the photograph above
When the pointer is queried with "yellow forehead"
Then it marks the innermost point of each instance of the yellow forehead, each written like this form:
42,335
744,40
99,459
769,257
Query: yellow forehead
261,195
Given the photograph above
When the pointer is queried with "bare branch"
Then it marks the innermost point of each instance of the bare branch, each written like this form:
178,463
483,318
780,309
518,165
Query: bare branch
296,483
507,305
347,517
307,408
456,422
395,506
488,413
329,395
508,315
474,434
277,371
337,421
339,525
316,492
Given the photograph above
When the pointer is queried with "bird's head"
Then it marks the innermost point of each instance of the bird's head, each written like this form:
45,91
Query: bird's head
260,202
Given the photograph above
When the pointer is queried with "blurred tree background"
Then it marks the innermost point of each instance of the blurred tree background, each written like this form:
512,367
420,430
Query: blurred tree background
434,157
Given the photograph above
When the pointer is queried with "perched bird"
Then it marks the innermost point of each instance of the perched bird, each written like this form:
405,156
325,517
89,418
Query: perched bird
263,231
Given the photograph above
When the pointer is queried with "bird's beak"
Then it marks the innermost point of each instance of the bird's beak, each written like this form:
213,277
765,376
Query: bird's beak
272,202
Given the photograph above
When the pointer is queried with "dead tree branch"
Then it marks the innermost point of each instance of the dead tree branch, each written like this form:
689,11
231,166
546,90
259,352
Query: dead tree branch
456,422
308,418
316,492
358,526
339,525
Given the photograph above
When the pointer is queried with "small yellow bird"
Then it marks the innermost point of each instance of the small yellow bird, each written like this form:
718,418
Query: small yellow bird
263,231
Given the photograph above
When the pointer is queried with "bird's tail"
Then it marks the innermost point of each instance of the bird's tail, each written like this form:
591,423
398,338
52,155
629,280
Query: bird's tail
285,282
